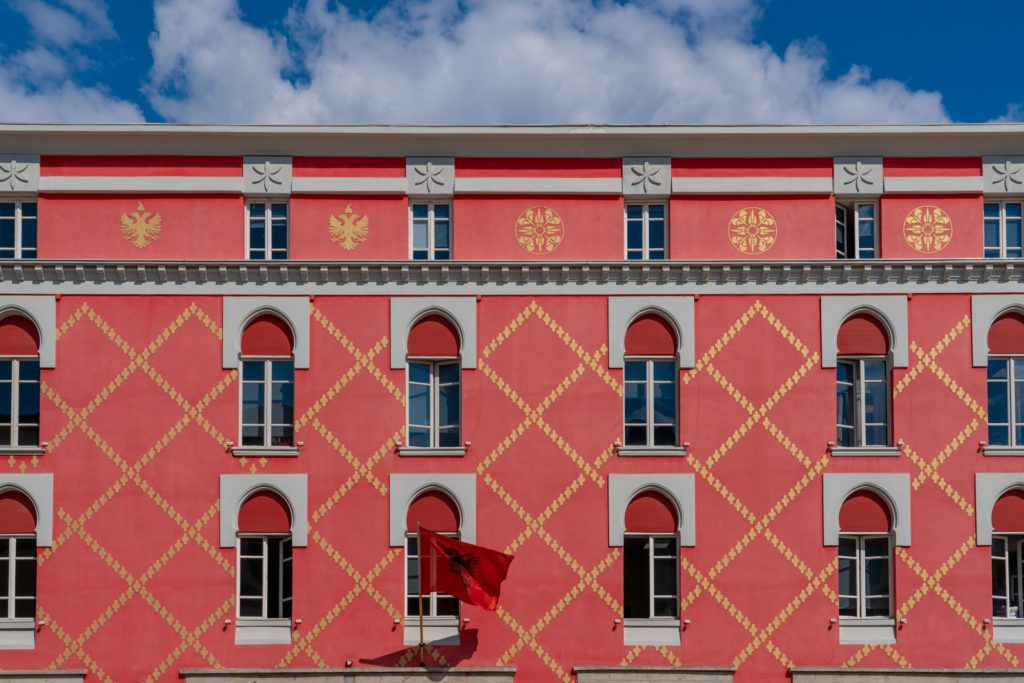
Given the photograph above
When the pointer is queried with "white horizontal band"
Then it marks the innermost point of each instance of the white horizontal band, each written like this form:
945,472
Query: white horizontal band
538,185
156,184
934,184
752,185
346,185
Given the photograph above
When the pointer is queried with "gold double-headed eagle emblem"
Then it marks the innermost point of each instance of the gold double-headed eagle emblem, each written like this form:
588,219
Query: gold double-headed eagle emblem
348,230
140,227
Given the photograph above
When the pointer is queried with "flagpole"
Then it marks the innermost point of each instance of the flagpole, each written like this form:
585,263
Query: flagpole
419,543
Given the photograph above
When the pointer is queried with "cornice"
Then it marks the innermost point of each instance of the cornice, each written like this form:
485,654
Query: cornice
388,278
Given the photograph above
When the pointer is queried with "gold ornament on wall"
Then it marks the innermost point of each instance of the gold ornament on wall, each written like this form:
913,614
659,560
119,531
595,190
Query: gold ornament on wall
539,230
928,229
753,230
349,230
140,227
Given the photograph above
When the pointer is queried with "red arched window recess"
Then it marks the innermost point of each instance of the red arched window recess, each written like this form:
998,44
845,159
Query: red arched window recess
863,335
17,513
651,335
267,335
265,512
1006,336
651,512
1008,513
865,511
435,511
433,336
18,337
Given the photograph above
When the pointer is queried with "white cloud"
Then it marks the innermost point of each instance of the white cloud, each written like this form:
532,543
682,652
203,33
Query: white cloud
59,101
67,22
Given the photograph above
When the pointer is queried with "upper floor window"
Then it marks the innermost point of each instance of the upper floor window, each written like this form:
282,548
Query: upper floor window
264,557
19,382
1006,381
651,374
651,558
863,396
268,384
18,229
267,232
433,510
646,236
17,556
856,230
865,551
434,379
1008,555
1003,230
431,231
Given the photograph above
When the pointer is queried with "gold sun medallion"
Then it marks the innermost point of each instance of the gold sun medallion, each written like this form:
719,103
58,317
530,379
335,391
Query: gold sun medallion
752,230
928,229
539,230
140,227
348,230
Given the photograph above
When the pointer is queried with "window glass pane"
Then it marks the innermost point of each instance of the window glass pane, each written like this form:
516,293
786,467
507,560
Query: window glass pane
635,371
635,436
998,368
634,235
633,211
419,404
991,210
25,578
281,435
441,234
992,236
419,373
636,403
6,367
29,370
664,403
25,547
274,579
251,546
7,235
282,371
419,437
664,370
278,210
279,234
250,576
656,237
28,234
847,607
844,372
252,370
447,606
665,435
876,402
998,436
6,209
666,607
876,576
665,573
24,609
847,576
449,373
997,401
28,435
5,576
28,403
251,607
866,211
448,437
419,235
5,403
442,211
252,436
656,211
874,369
844,404
448,405
874,547
876,607
420,210
847,546
636,578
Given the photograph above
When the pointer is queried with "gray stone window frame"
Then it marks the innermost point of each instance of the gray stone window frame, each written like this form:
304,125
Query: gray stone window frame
678,488
985,310
894,488
20,634
988,488
239,311
42,311
405,488
889,309
407,311
235,489
677,310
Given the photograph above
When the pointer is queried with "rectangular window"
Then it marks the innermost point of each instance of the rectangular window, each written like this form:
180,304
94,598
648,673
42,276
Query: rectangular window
18,223
434,604
856,230
651,577
651,414
1008,576
864,577
862,402
645,231
1006,401
431,231
19,401
265,577
434,410
1003,229
268,402
268,230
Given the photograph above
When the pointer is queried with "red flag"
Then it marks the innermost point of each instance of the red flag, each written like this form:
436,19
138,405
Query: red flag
471,573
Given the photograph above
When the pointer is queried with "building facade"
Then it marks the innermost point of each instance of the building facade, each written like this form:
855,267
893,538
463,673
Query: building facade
745,403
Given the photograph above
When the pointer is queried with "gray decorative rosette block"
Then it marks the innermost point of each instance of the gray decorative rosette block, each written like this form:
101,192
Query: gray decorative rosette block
19,173
267,176
430,176
857,176
646,177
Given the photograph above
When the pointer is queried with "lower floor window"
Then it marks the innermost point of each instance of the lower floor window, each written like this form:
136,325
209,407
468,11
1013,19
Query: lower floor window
651,576
265,577
1007,576
17,577
434,604
864,576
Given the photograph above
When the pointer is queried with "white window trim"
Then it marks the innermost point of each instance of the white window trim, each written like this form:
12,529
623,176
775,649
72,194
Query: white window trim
265,596
850,212
431,246
429,599
437,630
653,630
11,540
16,381
649,448
1012,446
645,228
860,562
1008,540
1002,226
860,405
862,629
18,241
265,449
266,203
435,394
18,633
650,574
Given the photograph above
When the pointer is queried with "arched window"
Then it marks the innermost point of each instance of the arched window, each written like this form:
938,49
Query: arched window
264,557
651,558
862,383
865,549
434,377
1006,381
436,511
1008,555
268,384
651,374
17,556
19,382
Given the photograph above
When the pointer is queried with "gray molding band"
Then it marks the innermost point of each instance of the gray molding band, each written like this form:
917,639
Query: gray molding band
753,185
150,184
933,185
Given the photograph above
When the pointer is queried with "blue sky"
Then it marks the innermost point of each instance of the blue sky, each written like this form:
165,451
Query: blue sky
509,61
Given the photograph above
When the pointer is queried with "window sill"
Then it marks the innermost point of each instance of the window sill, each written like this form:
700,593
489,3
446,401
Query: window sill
1008,630
866,631
651,451
22,450
436,630
1003,450
650,632
264,451
420,452
263,632
17,634
865,451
